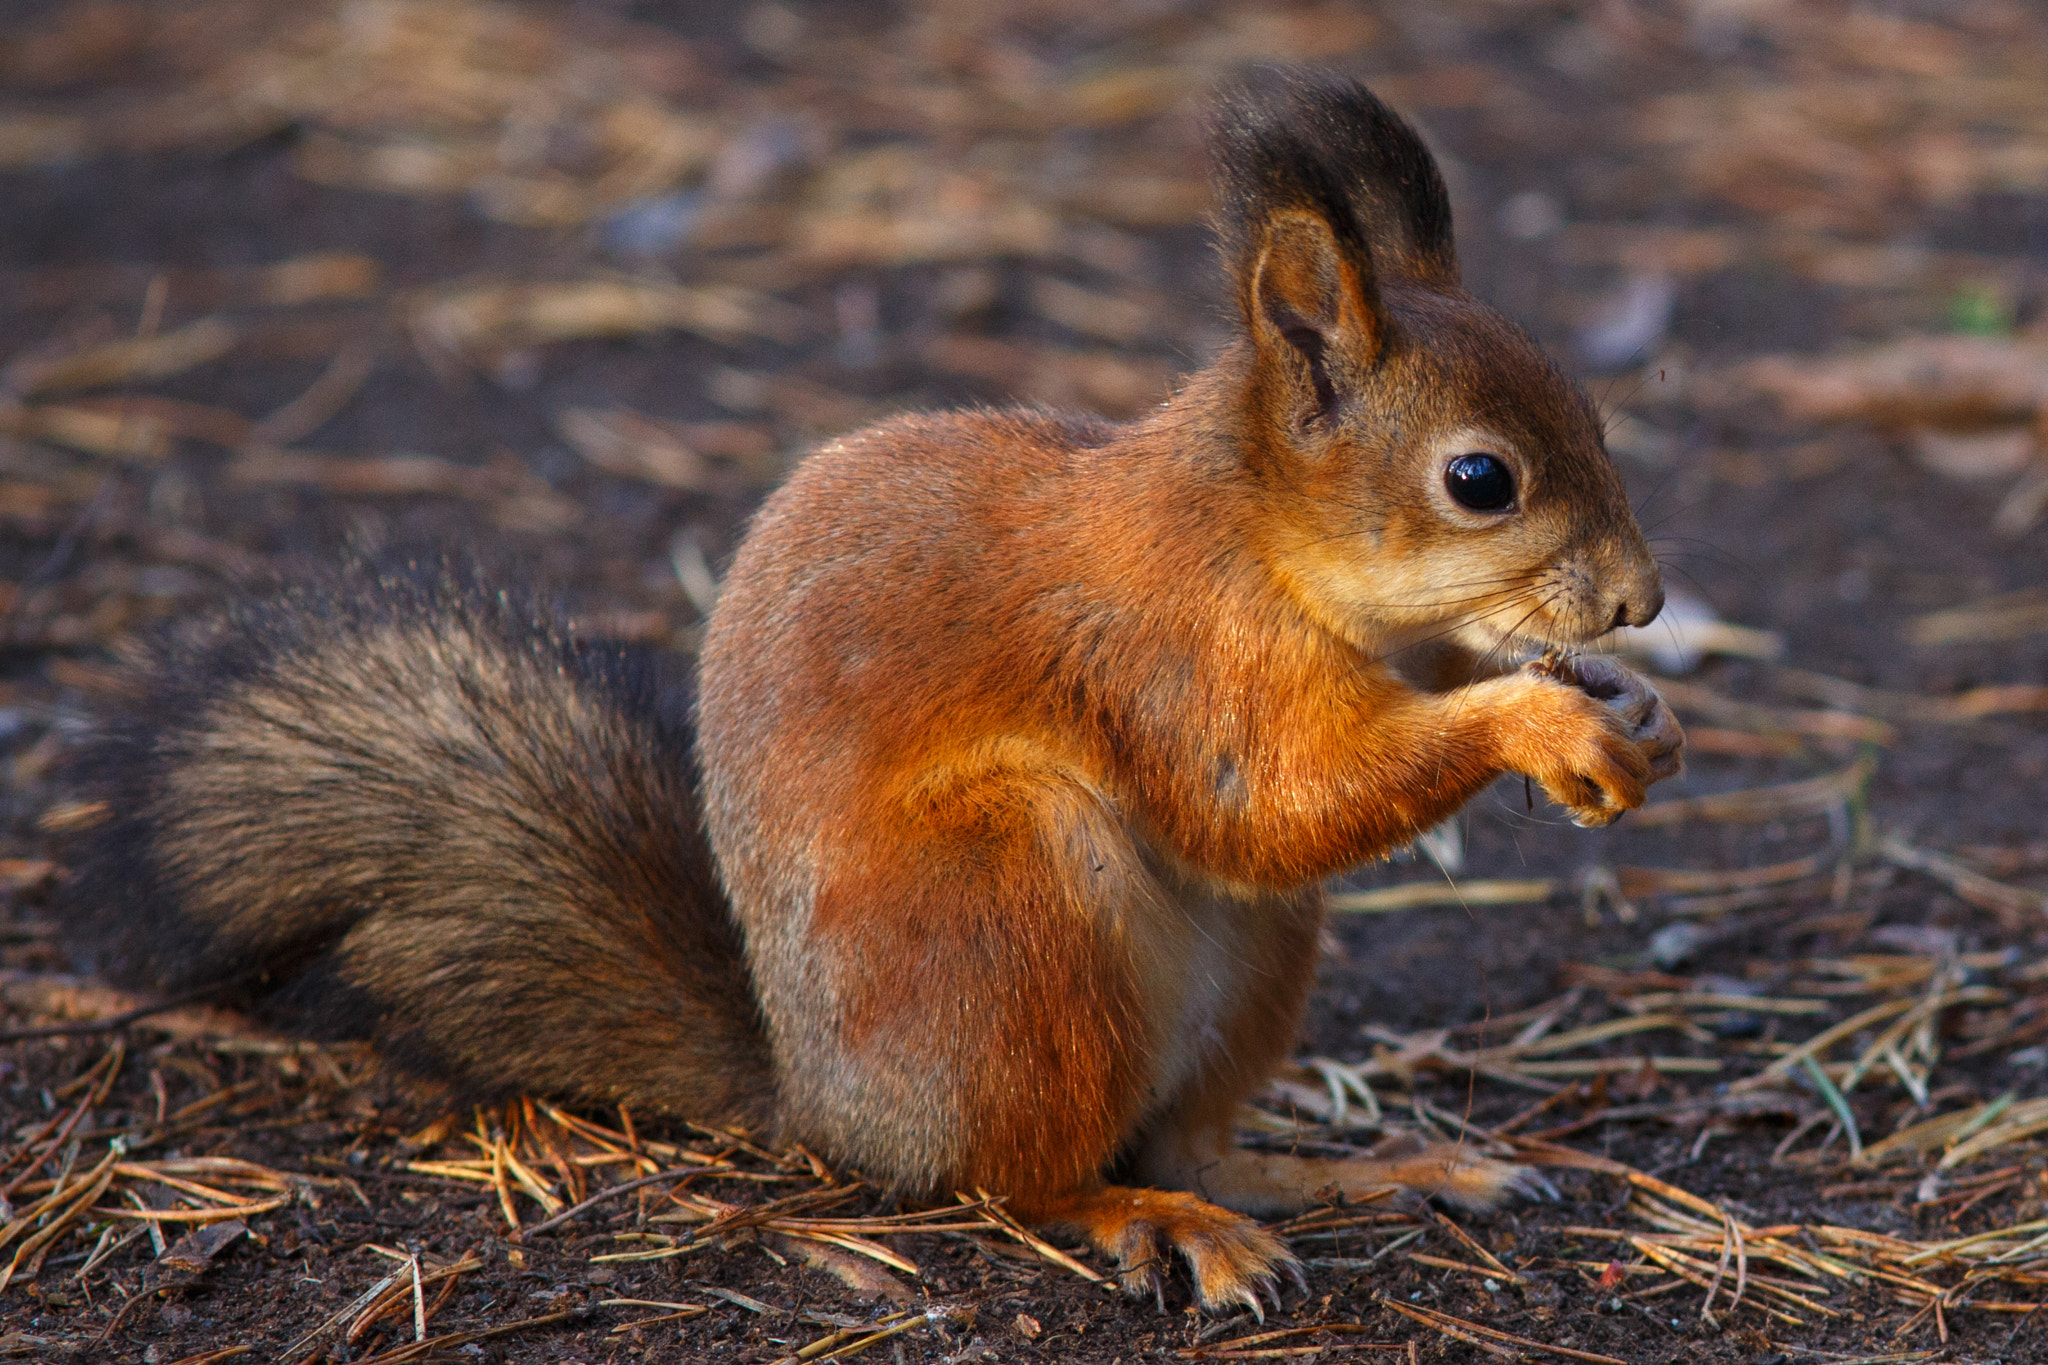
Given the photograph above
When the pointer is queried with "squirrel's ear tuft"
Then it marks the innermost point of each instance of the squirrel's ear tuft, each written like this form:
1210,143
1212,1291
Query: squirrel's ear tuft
1289,143
1325,196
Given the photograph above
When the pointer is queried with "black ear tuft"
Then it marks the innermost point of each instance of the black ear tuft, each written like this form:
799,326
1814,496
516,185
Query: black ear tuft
1290,141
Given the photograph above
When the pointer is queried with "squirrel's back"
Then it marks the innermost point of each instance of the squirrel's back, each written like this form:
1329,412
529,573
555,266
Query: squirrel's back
402,806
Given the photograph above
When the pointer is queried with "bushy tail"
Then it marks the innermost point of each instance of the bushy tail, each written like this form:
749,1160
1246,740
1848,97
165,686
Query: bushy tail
401,806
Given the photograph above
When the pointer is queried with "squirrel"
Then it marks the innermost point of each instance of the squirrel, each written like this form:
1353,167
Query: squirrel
1022,743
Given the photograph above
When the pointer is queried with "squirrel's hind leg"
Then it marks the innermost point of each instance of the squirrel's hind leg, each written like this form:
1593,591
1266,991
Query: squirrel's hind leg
1273,1184
1191,1145
963,1011
991,1027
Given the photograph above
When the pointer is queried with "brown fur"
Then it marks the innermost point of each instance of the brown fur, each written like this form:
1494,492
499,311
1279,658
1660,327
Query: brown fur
399,805
1027,741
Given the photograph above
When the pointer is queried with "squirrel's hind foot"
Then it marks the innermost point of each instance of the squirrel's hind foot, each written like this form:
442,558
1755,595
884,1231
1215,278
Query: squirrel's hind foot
1459,1176
1235,1262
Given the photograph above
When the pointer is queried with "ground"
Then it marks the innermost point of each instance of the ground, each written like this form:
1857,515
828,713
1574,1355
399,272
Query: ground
570,286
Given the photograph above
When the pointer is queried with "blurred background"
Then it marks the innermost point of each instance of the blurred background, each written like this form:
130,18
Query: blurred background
571,285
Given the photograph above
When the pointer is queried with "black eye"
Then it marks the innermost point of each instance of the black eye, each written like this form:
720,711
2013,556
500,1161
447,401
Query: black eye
1480,482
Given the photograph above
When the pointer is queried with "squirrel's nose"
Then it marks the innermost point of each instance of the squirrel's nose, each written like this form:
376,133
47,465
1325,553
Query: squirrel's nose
1639,608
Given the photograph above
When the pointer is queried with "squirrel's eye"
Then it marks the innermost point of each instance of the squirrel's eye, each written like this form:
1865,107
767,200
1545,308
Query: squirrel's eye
1480,482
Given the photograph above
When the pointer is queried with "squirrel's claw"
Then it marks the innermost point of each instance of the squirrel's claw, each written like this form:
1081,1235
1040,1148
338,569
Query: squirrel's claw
1254,1294
1137,1267
1226,1277
1531,1183
1142,1278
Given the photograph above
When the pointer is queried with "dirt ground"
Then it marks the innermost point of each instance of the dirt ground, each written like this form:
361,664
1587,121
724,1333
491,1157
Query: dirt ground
570,286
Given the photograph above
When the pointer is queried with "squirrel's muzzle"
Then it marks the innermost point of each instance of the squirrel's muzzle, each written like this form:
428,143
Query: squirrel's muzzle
1639,606
1634,588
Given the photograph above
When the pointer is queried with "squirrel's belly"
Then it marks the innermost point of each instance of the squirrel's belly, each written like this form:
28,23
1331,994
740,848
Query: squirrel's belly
1209,991
1226,972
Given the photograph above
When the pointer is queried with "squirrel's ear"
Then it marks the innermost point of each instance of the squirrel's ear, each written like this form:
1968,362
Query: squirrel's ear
1324,193
1310,301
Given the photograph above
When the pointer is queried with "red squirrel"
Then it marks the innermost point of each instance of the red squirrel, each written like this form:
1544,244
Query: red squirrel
1023,744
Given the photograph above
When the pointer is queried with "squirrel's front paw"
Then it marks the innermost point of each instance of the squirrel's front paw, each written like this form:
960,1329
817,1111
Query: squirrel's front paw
1596,736
1651,725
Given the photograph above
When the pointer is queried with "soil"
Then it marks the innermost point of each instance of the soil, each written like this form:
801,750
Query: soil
1833,537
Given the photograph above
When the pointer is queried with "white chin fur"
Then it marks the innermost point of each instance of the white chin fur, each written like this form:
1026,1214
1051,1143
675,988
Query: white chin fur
1512,650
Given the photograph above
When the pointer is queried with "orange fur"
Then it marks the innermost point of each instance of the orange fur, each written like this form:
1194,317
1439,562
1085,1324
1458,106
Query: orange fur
1028,739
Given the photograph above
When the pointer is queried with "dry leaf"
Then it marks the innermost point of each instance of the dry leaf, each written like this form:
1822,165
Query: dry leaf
186,1259
43,140
1961,383
2015,904
858,1273
633,447
43,996
1111,317
897,204
23,874
118,362
322,276
1757,805
1683,881
1998,453
1416,895
171,416
347,474
2008,616
115,434
1685,633
476,321
1883,114
1099,381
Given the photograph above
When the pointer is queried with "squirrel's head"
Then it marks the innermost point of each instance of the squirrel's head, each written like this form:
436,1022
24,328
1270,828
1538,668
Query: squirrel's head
1427,469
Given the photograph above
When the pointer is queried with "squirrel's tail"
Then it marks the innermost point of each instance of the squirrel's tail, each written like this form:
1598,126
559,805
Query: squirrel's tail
405,807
